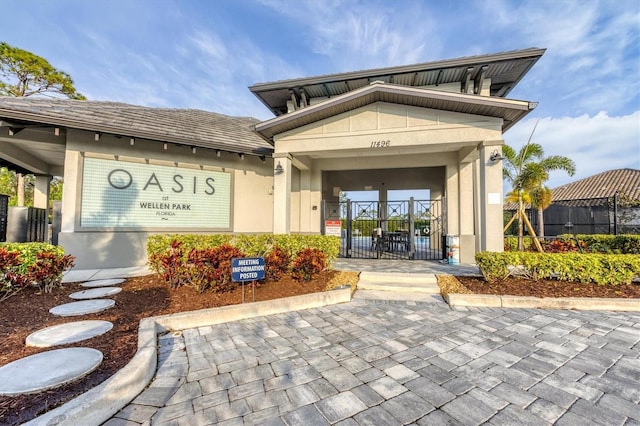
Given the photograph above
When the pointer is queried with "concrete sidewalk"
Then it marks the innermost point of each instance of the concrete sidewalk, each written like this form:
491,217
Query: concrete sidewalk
79,275
372,265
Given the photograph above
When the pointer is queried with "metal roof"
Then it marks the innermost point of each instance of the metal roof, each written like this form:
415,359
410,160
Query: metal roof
181,126
511,111
504,69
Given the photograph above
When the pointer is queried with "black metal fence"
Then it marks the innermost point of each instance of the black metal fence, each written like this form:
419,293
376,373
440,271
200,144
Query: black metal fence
4,210
607,215
410,229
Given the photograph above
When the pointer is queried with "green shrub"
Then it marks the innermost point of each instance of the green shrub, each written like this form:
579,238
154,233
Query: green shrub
31,264
587,268
309,262
511,243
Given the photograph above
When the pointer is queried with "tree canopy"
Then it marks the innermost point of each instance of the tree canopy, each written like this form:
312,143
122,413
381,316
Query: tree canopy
23,73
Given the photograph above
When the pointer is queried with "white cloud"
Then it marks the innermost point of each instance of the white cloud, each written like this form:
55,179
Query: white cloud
595,143
357,35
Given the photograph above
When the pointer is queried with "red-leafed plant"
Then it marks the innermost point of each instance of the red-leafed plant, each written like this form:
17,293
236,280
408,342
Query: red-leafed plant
172,266
46,273
221,262
10,280
565,246
42,269
277,263
202,271
308,263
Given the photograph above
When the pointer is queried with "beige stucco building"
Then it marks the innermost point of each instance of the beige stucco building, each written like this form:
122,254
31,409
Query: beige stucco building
132,171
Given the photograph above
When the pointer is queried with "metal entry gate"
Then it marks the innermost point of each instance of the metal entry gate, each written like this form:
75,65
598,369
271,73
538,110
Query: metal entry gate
410,229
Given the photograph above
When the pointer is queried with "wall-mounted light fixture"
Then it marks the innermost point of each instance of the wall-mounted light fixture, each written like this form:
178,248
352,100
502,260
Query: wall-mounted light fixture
496,156
96,137
218,153
241,156
165,146
279,169
132,141
193,149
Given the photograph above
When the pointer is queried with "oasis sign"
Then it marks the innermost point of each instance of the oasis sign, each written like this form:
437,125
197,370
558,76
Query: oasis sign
120,194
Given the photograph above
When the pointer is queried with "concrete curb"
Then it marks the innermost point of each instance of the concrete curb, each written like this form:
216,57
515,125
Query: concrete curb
105,400
577,303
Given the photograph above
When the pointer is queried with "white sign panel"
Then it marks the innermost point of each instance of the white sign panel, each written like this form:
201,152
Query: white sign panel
494,198
120,194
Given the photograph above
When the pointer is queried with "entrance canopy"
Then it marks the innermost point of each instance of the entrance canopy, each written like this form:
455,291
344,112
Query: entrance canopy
374,125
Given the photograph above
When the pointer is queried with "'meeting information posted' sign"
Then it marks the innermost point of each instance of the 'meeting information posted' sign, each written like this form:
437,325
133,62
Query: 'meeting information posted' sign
121,194
247,269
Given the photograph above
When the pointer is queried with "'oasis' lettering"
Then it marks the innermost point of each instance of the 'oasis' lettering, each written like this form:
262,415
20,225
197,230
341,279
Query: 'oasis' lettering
122,179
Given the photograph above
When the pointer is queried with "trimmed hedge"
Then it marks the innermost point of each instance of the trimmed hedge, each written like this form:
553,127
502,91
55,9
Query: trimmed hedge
251,245
590,243
586,268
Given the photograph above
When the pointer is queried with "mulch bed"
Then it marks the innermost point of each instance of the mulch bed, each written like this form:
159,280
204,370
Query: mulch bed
548,288
141,297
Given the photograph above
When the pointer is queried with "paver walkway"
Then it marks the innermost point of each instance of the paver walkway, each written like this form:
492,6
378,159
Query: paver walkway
387,363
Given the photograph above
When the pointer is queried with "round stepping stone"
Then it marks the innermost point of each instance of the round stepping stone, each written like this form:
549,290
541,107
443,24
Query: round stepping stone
102,283
82,308
71,332
95,293
47,370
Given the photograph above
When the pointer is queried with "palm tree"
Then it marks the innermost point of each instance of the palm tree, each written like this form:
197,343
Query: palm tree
541,198
527,170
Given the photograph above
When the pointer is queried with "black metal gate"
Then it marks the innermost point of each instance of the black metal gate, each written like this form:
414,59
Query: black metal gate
410,229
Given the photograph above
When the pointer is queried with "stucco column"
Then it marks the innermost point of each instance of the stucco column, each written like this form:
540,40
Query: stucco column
466,213
305,201
71,189
41,191
492,238
282,193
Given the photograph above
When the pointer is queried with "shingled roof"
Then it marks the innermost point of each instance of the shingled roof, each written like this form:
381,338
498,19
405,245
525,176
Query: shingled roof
181,126
605,184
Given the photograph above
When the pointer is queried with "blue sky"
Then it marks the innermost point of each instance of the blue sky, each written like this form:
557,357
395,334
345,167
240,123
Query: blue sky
204,54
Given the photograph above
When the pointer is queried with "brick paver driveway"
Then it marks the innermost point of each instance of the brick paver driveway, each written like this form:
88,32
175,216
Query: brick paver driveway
394,363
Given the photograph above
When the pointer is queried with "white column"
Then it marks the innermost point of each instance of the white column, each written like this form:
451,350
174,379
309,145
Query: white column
71,190
316,200
467,213
383,207
305,201
282,193
41,191
492,238
452,199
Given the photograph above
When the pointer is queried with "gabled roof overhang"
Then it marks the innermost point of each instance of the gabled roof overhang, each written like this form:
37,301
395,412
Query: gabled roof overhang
509,110
504,70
